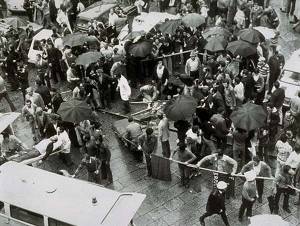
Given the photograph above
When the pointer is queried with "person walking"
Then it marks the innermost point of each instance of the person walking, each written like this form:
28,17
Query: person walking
249,194
277,100
4,94
148,144
216,204
125,91
281,186
187,157
164,134
261,169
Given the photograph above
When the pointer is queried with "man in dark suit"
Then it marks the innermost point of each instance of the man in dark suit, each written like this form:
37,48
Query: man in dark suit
216,204
104,86
56,100
277,99
54,57
43,91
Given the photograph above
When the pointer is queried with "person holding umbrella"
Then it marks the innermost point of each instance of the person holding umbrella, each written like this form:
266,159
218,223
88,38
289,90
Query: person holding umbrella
216,204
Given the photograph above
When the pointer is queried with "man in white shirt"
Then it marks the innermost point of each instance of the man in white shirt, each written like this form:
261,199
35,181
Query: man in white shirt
65,154
239,90
284,149
72,77
164,134
192,65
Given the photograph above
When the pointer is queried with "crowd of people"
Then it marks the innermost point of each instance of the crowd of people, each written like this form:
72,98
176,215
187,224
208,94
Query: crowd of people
220,82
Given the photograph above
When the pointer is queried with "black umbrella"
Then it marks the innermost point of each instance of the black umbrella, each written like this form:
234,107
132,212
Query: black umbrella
140,49
169,26
251,35
241,48
216,44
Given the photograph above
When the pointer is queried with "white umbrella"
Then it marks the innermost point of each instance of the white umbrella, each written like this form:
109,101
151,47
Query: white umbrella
7,118
267,32
267,220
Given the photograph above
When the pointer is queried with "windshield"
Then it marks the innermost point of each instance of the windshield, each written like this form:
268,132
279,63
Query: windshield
291,77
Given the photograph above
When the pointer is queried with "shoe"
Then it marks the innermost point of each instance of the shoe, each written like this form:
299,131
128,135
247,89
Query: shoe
287,210
259,199
202,221
275,211
240,219
282,10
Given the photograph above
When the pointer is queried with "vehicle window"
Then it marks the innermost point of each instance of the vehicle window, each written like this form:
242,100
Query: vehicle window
291,77
104,18
1,207
37,45
53,222
26,216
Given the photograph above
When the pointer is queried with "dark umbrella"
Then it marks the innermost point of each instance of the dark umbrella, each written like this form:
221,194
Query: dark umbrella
251,35
75,111
140,49
249,117
193,20
216,44
88,58
216,31
180,108
169,26
77,39
241,48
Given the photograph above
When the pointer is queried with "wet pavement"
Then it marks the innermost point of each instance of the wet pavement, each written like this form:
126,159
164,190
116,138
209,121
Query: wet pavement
166,203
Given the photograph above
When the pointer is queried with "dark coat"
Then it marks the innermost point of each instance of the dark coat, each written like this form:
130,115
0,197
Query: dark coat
215,202
45,94
54,55
277,98
56,101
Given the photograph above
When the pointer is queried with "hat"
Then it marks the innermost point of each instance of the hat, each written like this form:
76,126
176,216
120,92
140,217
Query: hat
250,175
221,185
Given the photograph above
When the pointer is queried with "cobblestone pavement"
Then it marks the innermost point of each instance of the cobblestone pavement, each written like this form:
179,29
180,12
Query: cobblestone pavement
166,203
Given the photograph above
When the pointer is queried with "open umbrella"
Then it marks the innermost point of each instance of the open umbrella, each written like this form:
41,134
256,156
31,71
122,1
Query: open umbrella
169,26
88,58
241,48
193,20
216,31
268,33
7,118
75,111
140,49
249,117
251,35
180,108
134,34
215,44
16,22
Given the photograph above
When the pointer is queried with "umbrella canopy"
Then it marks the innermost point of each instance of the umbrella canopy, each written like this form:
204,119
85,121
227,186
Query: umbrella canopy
215,44
216,31
77,39
134,34
7,118
251,35
249,117
88,58
169,26
241,48
16,22
140,49
193,20
268,33
75,111
181,108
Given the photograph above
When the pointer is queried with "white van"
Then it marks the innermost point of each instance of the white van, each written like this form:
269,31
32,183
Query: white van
31,196
290,77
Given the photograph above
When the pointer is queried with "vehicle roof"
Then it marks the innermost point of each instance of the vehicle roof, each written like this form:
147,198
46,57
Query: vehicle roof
43,34
65,199
94,12
293,63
